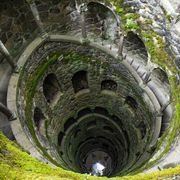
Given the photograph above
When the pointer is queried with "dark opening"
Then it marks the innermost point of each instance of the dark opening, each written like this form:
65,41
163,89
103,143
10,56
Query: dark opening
133,43
101,20
109,129
77,133
101,110
164,126
38,117
161,75
68,123
138,154
109,85
131,102
60,137
91,124
79,81
50,87
142,129
83,112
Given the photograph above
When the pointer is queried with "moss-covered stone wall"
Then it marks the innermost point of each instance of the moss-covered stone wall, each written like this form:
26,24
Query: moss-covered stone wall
16,164
47,58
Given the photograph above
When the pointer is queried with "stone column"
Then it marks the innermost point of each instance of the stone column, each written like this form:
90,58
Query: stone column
147,78
83,9
7,112
120,45
36,14
7,55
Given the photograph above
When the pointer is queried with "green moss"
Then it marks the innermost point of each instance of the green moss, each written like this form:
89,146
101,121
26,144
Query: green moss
31,86
29,94
133,16
18,165
169,17
131,25
128,19
30,89
119,10
157,49
147,21
130,22
15,164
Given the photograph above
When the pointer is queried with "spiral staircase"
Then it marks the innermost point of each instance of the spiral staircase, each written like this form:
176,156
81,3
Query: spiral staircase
80,83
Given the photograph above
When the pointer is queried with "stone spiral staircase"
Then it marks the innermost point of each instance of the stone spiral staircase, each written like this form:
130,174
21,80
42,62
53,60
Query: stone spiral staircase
33,30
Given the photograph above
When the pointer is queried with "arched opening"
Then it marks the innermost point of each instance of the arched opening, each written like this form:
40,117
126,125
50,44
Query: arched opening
159,74
83,112
134,44
1,58
60,137
130,101
142,128
68,123
101,21
50,87
101,110
80,81
109,85
38,117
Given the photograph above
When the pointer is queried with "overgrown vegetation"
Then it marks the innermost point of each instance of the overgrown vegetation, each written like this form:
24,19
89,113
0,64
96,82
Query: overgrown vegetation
157,49
30,89
29,95
16,164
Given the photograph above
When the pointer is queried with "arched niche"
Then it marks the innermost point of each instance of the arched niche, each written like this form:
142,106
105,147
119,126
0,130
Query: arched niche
142,129
101,20
134,44
109,85
84,112
131,102
38,117
50,87
161,75
68,123
101,110
80,81
60,138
